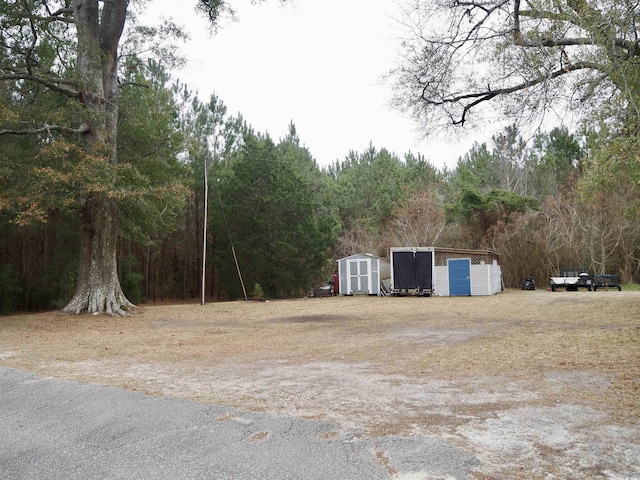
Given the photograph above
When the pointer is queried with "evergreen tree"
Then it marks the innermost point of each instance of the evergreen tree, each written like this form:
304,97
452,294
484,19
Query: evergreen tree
556,156
280,232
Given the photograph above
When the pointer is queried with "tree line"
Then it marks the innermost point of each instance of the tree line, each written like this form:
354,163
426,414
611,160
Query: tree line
277,221
104,159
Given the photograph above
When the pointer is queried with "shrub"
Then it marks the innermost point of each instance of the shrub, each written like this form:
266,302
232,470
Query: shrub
258,293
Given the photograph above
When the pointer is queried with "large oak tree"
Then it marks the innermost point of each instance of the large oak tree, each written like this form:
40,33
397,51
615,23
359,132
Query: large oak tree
70,49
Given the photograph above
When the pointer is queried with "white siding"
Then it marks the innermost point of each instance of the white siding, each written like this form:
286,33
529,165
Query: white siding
441,281
496,278
480,281
485,280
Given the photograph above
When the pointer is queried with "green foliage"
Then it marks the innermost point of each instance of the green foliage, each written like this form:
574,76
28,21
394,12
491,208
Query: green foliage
556,156
257,293
481,213
476,169
281,231
150,185
613,168
370,186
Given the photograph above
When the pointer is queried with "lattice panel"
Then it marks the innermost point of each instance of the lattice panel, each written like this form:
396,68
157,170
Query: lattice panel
476,258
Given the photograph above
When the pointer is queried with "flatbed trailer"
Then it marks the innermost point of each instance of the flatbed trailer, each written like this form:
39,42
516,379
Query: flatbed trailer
571,279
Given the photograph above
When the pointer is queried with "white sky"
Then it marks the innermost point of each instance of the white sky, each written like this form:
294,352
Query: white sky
318,63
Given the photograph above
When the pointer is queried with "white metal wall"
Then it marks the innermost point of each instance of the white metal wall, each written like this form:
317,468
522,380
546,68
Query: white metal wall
480,280
441,281
496,278
485,280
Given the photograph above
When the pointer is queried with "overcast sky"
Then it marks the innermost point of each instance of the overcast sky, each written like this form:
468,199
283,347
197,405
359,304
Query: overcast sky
318,63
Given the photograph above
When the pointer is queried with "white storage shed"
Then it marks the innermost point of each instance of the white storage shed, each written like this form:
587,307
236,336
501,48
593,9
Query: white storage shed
362,274
444,271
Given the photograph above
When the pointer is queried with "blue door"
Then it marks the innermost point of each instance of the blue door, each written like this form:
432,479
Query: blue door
459,277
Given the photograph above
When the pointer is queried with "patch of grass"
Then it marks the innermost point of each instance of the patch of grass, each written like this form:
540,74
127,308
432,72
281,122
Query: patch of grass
387,365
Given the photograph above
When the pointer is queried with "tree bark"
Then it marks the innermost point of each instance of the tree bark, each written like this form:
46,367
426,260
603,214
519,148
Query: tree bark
98,33
98,289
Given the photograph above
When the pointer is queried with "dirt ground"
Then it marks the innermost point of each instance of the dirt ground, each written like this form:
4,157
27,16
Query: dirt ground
534,384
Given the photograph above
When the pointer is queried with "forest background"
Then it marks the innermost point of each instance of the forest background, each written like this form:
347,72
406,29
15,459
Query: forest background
564,198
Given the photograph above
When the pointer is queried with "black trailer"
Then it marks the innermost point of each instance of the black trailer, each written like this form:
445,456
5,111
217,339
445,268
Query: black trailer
606,281
412,271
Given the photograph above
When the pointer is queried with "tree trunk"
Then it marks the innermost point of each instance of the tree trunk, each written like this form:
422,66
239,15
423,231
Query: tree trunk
98,33
98,289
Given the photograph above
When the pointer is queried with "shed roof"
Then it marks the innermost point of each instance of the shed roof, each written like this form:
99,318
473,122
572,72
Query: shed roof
360,255
467,251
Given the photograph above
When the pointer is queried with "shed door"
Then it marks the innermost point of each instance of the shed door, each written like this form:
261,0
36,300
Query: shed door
412,270
358,275
459,277
403,270
423,264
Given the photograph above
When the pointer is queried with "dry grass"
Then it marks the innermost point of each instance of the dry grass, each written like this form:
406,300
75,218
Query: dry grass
465,369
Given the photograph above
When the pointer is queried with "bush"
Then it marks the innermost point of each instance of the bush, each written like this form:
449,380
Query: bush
258,293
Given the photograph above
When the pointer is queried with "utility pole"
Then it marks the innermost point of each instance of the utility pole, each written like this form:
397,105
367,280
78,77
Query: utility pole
204,228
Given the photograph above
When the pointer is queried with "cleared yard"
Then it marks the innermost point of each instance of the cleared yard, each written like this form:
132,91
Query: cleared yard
534,384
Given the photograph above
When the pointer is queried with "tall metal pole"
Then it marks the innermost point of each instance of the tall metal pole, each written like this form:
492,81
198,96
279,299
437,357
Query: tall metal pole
204,228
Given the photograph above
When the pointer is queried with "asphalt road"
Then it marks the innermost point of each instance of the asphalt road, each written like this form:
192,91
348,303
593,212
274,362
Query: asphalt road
55,429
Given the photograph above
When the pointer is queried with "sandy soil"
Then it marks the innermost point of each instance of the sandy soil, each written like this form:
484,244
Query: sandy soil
534,384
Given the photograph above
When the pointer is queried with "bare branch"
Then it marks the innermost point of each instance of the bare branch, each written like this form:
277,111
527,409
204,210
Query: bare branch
544,15
62,11
46,129
481,22
485,96
553,42
519,40
55,17
57,85
631,47
133,84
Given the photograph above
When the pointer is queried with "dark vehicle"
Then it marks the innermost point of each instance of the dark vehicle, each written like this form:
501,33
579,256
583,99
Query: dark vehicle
528,284
606,281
